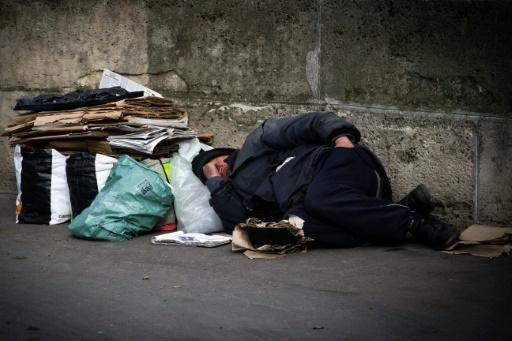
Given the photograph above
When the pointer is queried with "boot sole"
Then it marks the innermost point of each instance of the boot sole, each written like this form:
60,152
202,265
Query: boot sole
455,236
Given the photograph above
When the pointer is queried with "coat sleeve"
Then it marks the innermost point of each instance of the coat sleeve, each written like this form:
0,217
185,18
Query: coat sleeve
229,207
310,128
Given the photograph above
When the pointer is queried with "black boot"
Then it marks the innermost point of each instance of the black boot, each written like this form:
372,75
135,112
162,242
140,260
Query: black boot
435,233
419,200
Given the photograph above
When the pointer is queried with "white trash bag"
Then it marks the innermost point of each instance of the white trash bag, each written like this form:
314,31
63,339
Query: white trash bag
191,197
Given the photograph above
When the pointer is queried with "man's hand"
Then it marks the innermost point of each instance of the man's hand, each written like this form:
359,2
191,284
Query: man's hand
210,169
344,142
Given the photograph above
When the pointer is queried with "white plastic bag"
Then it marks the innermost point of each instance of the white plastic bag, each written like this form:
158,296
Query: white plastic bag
191,197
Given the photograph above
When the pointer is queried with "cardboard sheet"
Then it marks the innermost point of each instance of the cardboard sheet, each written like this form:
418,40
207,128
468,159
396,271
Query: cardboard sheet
484,241
268,239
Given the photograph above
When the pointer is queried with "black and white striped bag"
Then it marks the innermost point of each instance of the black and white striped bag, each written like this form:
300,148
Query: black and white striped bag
86,176
43,194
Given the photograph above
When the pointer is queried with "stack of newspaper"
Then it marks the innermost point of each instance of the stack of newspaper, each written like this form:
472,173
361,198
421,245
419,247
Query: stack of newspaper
141,126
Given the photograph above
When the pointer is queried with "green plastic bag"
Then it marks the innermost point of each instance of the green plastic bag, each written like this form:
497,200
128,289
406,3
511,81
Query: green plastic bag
132,201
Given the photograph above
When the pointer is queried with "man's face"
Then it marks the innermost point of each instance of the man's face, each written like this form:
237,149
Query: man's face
222,167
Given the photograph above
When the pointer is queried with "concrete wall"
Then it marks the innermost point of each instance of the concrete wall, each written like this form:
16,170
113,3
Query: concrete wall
428,82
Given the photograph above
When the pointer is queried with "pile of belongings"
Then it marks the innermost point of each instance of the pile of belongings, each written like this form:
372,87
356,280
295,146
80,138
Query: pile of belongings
101,159
111,121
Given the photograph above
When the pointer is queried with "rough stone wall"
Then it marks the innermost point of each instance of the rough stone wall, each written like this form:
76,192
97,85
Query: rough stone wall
428,82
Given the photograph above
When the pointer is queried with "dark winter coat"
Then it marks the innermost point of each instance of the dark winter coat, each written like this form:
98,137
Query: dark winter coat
275,165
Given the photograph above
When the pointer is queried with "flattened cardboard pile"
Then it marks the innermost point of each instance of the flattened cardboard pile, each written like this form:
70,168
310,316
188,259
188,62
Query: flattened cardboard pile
136,126
268,239
484,241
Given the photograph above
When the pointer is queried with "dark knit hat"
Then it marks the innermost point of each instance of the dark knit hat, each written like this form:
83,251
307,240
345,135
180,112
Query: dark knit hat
204,157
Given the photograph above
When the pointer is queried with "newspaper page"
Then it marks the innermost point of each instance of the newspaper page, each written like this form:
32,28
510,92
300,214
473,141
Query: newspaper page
110,79
190,239
143,141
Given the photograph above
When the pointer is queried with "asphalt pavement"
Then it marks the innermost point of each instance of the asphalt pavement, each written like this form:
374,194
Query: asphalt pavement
56,287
